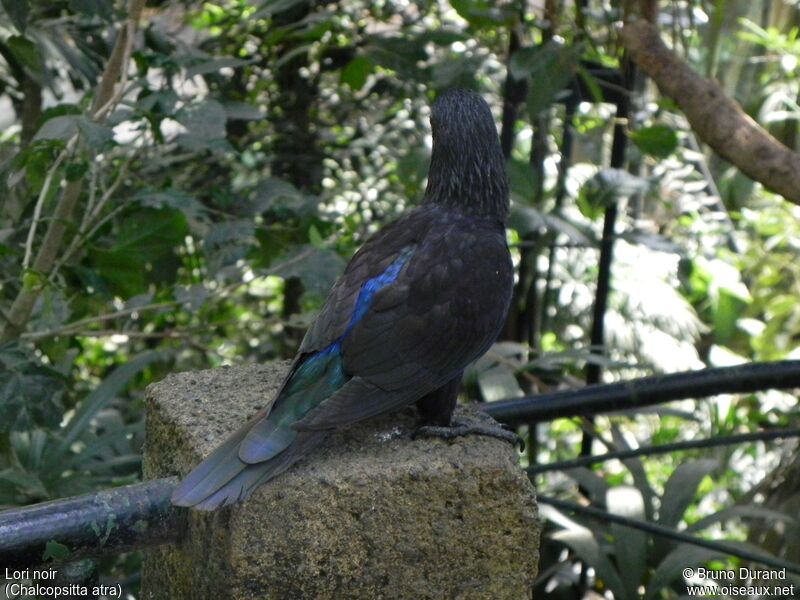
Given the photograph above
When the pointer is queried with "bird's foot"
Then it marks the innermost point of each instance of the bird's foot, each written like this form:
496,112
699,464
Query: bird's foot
458,428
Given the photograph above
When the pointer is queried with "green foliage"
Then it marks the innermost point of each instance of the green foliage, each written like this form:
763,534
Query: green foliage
657,140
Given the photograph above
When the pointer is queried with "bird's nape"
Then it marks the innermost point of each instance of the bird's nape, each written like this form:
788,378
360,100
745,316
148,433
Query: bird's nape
467,166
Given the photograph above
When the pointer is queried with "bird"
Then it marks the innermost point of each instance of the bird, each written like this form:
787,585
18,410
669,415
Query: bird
423,297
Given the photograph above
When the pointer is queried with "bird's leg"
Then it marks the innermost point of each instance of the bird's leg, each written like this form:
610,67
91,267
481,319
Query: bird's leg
436,414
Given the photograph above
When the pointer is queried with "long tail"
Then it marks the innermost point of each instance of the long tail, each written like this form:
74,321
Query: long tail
223,478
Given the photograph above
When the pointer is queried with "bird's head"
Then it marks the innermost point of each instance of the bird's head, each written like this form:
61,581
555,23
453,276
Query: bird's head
466,162
458,116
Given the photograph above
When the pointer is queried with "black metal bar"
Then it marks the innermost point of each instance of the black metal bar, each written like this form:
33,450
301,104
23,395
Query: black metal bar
647,391
667,532
619,145
728,440
107,522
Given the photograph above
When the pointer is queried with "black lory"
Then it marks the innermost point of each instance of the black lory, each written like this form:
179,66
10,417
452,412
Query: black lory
423,298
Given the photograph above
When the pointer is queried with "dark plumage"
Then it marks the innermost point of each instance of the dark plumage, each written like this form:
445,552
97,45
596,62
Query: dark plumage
418,302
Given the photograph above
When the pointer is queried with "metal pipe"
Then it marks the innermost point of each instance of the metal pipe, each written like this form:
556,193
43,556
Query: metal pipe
724,440
107,522
647,391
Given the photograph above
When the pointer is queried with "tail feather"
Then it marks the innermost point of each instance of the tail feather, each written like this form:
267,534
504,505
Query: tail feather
223,478
220,467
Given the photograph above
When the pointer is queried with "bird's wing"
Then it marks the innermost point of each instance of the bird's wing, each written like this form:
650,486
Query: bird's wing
318,372
371,261
267,444
443,311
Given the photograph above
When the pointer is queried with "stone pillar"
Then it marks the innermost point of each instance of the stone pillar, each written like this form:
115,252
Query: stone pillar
370,514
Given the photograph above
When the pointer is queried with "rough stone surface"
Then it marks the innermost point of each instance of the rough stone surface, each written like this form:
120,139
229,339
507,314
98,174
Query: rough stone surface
370,514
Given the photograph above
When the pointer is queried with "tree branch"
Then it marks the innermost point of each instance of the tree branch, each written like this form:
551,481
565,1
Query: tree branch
718,120
104,100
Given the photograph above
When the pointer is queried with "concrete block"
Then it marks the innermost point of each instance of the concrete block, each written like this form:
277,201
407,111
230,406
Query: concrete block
370,514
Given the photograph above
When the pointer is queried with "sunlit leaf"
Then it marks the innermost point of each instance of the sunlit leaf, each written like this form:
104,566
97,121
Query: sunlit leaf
499,383
658,140
630,545
583,543
58,128
26,53
680,489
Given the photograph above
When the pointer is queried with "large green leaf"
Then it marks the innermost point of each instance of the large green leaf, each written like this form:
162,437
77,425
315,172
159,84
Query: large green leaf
30,392
280,195
459,71
272,7
143,250
58,128
522,182
94,8
401,54
630,545
483,14
205,125
728,308
27,54
679,493
743,512
595,486
658,140
242,111
355,72
550,68
190,206
681,488
637,471
227,242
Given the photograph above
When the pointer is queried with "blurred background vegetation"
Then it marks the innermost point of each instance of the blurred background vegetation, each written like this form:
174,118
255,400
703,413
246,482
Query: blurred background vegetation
195,214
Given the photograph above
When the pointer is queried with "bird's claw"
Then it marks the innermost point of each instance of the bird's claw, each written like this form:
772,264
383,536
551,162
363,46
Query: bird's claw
462,428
